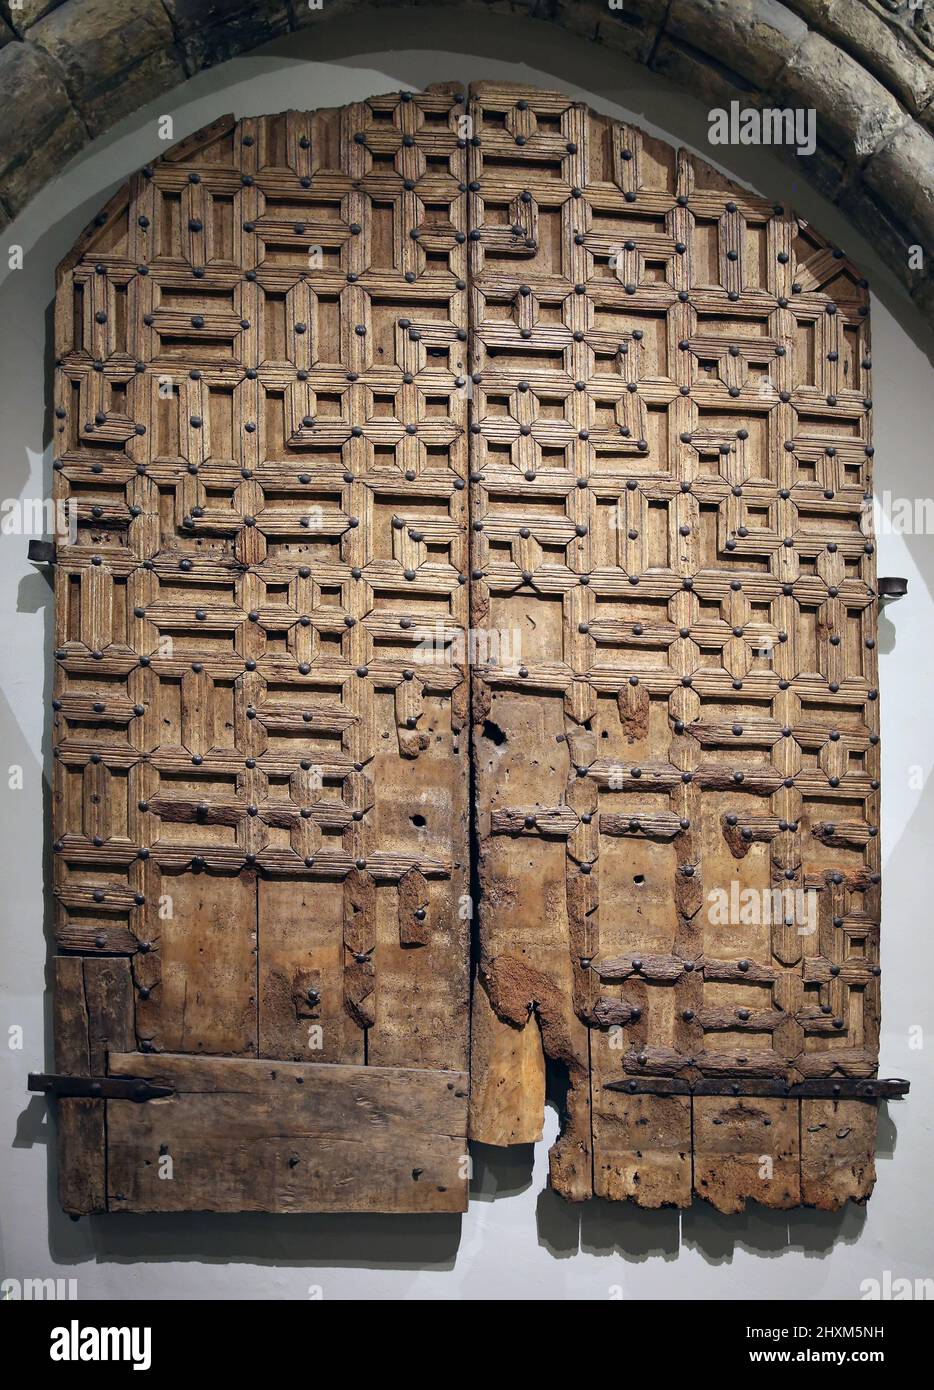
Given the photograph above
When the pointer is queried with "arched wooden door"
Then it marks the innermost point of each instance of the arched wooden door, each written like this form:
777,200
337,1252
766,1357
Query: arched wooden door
261,737
281,349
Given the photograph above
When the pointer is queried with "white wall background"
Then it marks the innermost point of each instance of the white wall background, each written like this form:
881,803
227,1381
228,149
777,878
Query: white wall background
517,1240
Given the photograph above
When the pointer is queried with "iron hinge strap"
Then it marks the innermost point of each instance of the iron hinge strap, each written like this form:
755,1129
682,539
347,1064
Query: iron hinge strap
98,1087
815,1088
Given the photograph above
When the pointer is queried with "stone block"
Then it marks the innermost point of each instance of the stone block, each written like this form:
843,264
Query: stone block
753,37
211,31
114,55
856,114
39,130
902,177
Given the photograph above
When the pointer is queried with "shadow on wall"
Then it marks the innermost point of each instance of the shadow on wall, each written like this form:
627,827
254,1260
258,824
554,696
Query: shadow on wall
597,1227
431,1242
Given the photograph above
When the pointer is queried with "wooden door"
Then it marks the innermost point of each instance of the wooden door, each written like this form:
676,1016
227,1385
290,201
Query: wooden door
260,722
676,731
276,348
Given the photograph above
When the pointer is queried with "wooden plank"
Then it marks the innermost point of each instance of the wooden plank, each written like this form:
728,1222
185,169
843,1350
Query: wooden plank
422,924
288,1137
642,1149
109,992
507,1077
202,992
746,1147
301,963
838,1145
93,1012
642,1145
79,1123
81,1149
70,1016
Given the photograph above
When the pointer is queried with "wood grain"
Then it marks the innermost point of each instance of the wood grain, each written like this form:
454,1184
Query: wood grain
346,401
93,1011
838,1146
288,1137
261,710
670,449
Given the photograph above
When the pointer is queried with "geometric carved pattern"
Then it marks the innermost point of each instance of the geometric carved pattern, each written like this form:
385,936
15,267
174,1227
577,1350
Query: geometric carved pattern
261,779
276,348
670,451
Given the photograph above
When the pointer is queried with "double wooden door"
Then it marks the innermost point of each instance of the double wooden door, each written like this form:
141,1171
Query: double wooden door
448,424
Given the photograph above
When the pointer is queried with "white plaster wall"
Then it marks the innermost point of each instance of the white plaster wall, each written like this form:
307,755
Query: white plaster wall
517,1240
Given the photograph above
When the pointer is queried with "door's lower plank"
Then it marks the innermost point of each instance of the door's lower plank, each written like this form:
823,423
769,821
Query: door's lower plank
79,1123
746,1147
81,1139
642,1148
838,1145
93,1003
287,1137
657,1150
201,970
507,1092
301,964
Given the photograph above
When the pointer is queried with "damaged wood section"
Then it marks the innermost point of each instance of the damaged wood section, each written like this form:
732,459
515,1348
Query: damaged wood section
675,721
662,1150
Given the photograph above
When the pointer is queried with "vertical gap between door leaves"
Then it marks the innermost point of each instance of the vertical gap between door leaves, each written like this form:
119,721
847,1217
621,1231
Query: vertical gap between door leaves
473,836
257,976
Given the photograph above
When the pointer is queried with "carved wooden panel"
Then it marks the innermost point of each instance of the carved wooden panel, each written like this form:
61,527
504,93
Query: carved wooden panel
676,728
276,349
260,701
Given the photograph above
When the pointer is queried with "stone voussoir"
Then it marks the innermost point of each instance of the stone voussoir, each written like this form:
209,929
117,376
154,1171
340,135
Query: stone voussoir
118,57
888,50
71,68
212,31
760,36
902,176
39,129
633,30
856,115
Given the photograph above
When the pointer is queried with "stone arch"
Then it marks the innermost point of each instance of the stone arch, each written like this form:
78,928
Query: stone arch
71,68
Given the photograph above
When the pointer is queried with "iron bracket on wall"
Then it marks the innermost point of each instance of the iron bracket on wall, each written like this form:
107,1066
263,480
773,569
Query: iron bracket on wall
815,1088
892,586
98,1087
41,552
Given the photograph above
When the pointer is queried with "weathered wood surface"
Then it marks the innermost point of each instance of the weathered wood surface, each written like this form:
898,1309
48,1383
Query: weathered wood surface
746,1147
287,1137
92,1012
838,1148
670,450
280,350
261,705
